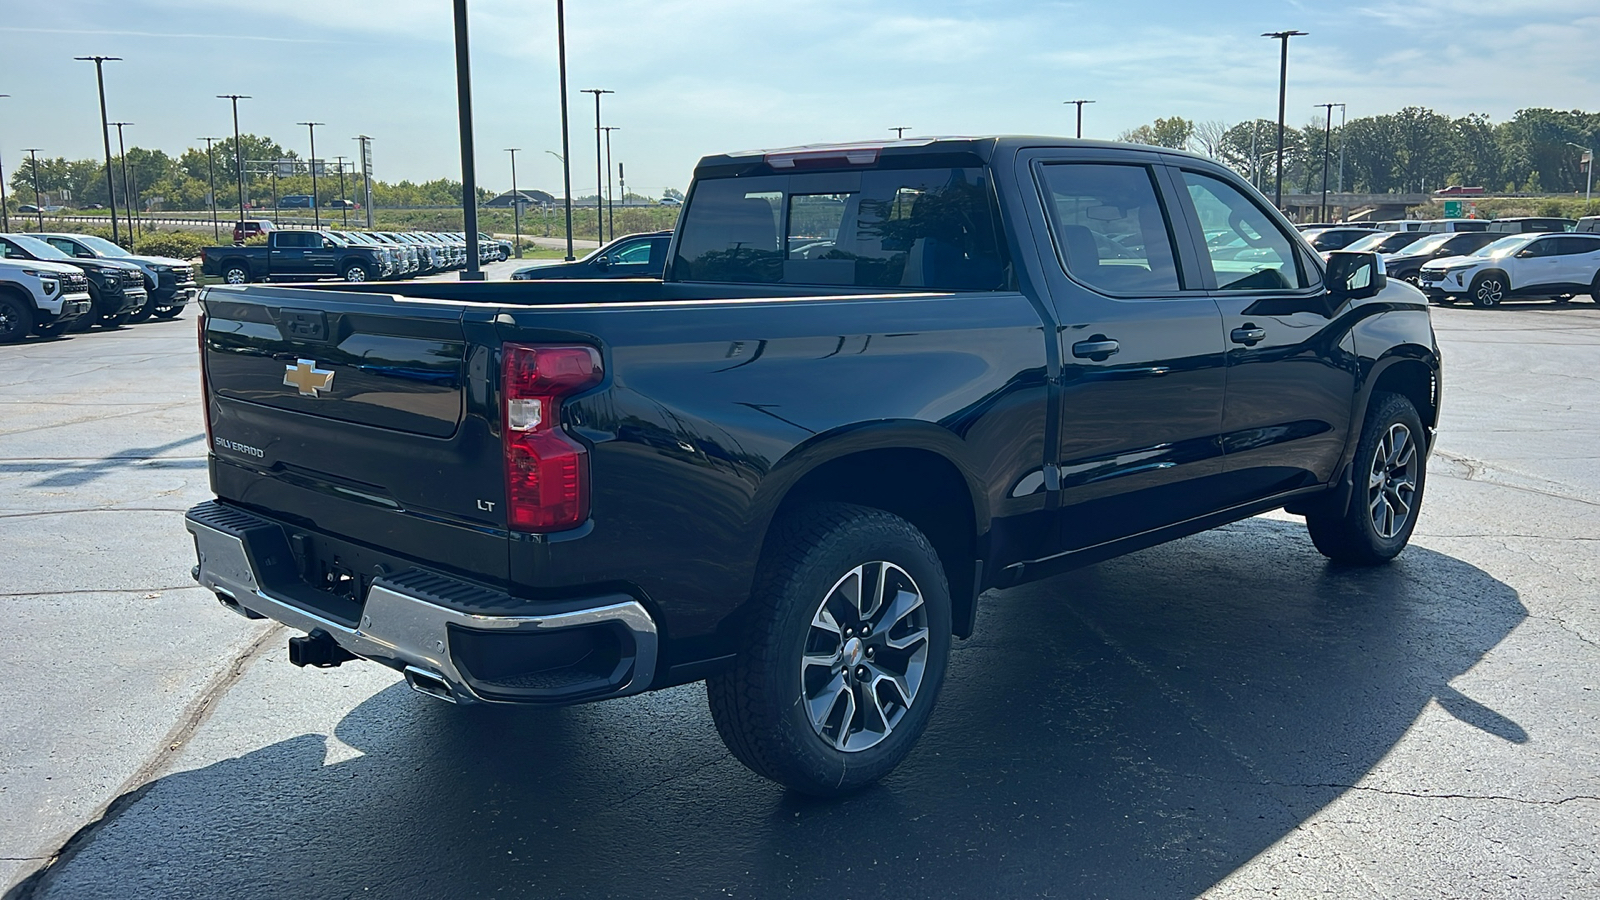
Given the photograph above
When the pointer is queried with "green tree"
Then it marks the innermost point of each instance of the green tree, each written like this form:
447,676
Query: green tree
1172,132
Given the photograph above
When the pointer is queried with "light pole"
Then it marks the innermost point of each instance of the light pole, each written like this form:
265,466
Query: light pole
611,203
566,151
1283,90
1327,142
516,203
899,134
5,214
238,151
105,136
622,185
1079,104
1341,151
211,175
127,197
1588,165
316,213
567,176
344,203
366,173
38,202
599,177
469,175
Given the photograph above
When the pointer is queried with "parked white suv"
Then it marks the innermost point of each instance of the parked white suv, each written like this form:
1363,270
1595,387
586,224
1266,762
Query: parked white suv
38,297
1521,265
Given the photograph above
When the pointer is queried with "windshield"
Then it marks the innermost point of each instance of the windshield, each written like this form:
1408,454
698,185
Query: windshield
36,247
1427,245
1370,242
1506,245
101,246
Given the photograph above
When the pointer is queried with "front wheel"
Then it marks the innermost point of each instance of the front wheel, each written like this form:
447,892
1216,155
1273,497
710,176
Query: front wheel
844,651
1389,473
1488,290
355,272
16,319
168,312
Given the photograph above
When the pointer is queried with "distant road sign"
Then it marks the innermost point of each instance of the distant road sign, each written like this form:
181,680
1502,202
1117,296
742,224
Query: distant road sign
1452,209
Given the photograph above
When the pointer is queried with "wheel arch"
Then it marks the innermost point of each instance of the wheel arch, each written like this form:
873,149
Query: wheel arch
909,469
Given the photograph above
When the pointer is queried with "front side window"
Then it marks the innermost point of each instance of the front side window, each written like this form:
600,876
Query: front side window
635,253
1248,251
900,228
1112,231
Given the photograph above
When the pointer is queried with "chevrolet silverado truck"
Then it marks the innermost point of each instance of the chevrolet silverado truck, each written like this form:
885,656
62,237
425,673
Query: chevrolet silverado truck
874,381
296,256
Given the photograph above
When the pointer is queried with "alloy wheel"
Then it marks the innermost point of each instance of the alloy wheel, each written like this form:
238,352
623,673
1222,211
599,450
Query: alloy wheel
1392,481
865,656
1490,292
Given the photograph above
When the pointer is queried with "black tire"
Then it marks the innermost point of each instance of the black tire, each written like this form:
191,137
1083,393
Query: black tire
16,318
1353,535
1488,290
1594,288
142,314
356,272
504,254
116,321
168,312
235,273
53,330
810,558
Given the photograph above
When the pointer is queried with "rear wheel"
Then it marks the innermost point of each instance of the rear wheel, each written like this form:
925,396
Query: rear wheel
844,651
1488,290
16,319
1389,476
236,273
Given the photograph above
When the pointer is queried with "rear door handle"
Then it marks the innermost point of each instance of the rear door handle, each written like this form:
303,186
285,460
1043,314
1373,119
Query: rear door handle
1097,348
1249,334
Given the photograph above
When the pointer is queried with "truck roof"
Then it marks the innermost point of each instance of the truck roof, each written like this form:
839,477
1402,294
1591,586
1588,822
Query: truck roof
936,150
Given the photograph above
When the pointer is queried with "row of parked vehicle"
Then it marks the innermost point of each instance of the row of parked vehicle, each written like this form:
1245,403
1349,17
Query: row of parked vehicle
1486,262
350,255
52,283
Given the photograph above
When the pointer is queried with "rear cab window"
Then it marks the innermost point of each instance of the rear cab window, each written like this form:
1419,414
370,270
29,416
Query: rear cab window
912,228
1113,235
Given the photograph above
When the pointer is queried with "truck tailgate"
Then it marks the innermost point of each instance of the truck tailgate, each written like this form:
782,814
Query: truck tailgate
359,416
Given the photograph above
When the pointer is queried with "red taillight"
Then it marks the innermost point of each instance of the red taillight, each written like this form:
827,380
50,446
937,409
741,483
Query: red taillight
547,471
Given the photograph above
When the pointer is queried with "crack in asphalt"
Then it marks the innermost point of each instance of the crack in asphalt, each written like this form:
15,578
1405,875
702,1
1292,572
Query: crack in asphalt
92,509
140,782
1482,473
148,408
671,778
141,590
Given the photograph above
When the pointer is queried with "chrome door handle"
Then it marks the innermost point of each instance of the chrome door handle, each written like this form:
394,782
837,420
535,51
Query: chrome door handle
1096,348
1249,334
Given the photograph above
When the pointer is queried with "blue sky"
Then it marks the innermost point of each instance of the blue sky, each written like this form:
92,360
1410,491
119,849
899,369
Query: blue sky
715,75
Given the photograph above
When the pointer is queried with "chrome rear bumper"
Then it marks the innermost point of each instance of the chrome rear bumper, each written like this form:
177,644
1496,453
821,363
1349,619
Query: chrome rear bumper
402,626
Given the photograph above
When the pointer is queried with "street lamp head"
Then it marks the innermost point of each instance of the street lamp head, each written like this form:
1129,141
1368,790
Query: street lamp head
1284,34
233,97
98,59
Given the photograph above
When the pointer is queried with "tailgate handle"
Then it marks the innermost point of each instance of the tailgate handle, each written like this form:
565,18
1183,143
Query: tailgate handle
303,324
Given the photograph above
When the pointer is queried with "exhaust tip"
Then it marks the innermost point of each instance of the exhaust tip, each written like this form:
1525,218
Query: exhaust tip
424,682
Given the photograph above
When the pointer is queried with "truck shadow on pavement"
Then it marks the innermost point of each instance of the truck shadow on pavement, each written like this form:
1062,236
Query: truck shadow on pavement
1140,728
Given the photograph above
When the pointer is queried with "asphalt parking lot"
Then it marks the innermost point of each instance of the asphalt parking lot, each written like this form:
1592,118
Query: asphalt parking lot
1227,715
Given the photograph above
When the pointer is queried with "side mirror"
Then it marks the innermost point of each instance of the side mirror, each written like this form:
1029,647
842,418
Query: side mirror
602,263
1355,276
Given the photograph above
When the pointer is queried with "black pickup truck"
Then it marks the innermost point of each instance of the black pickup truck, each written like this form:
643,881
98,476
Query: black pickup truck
875,381
296,256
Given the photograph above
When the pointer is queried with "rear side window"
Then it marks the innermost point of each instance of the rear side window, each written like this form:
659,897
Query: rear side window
1112,232
1248,251
904,228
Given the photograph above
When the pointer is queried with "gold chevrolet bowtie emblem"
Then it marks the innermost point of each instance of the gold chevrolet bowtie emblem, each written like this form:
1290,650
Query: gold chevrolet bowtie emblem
305,377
